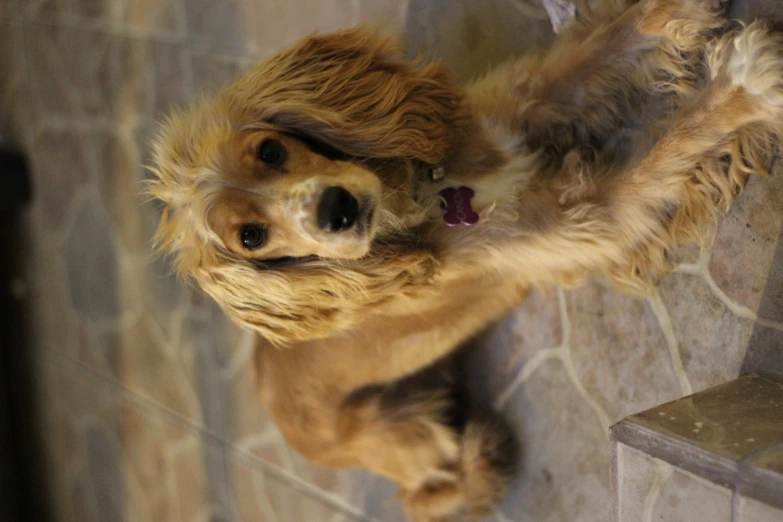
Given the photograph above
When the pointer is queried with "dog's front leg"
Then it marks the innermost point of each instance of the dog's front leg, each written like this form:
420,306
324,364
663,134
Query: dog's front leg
591,83
670,189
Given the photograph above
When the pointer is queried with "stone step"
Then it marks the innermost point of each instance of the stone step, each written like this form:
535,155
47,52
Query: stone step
715,456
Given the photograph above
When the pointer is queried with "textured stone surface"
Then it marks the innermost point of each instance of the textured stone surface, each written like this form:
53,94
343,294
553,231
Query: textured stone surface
62,167
497,356
261,496
712,340
729,434
616,345
747,239
734,420
147,17
564,476
149,393
639,478
688,498
472,36
751,510
210,71
91,262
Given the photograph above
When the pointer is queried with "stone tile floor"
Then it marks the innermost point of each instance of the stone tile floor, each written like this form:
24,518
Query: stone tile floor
147,391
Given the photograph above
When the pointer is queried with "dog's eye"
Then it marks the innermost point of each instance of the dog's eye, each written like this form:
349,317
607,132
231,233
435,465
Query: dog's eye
253,236
271,152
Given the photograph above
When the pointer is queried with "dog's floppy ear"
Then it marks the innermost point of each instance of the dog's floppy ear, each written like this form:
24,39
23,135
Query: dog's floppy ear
354,91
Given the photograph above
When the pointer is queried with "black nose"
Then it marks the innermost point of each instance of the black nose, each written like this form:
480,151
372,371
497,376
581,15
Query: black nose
337,210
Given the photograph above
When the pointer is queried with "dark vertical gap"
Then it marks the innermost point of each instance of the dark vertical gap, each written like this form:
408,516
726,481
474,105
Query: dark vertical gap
24,488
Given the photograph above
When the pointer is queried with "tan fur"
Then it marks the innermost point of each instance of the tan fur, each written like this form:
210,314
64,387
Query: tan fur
592,158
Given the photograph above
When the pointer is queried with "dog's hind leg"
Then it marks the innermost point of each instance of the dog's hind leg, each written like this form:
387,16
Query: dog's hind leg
449,459
487,464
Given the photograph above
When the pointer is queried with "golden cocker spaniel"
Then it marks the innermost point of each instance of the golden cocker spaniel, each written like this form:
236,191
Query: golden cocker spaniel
365,215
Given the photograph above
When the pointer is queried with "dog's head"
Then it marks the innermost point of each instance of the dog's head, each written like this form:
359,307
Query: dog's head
288,196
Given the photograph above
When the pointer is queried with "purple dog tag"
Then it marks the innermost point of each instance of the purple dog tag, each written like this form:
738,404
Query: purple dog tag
456,203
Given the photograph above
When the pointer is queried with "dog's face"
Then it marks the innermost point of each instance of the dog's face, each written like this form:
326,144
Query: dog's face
288,197
309,156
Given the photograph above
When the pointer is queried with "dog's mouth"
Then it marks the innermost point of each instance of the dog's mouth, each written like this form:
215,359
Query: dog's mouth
282,262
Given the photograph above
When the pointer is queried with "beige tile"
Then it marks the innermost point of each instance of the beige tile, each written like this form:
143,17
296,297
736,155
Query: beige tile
119,155
152,490
57,323
64,67
89,74
247,424
712,340
151,16
212,71
377,498
116,457
61,168
7,10
91,262
565,452
743,263
152,368
224,28
619,351
639,483
262,497
82,449
16,115
278,24
501,352
688,498
97,347
142,17
751,510
472,36
388,14
45,8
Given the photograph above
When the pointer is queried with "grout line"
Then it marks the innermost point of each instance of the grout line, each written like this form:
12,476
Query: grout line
665,323
226,446
688,268
739,310
262,496
735,506
565,357
565,322
663,472
598,410
524,374
60,234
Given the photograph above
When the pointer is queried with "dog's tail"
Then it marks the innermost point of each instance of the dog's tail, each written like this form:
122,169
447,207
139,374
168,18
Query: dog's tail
489,461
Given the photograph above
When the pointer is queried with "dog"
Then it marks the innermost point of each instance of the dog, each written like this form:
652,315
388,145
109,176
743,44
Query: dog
365,216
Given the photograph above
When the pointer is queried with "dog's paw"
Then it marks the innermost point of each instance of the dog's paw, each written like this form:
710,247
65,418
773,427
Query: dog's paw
686,22
752,58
